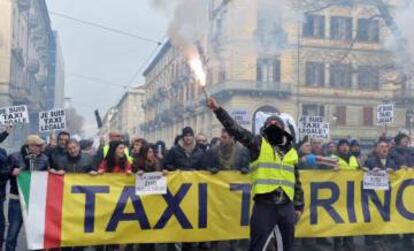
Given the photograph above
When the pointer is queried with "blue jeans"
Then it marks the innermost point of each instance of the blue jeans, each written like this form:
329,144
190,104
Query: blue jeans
15,224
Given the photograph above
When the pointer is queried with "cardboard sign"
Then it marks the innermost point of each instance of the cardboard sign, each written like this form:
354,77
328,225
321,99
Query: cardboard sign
378,180
314,127
151,183
52,120
241,117
14,115
385,114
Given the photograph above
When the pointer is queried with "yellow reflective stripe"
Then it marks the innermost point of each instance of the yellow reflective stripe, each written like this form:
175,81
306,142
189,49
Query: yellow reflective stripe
275,182
275,166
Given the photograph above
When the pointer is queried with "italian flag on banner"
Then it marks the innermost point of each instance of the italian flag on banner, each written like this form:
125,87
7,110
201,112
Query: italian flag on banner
41,197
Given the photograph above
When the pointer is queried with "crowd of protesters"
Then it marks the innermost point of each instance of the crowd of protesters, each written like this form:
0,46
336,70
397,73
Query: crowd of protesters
190,152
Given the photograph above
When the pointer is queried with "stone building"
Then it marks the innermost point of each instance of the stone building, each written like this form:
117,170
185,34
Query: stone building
127,116
25,44
331,62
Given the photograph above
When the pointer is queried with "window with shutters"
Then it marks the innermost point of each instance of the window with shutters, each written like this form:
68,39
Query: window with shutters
268,70
340,76
368,118
368,78
313,110
315,74
341,28
368,30
314,26
341,115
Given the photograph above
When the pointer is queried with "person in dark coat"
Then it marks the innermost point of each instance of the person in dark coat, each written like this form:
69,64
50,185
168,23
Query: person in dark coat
29,158
74,161
185,155
275,207
402,154
4,177
56,152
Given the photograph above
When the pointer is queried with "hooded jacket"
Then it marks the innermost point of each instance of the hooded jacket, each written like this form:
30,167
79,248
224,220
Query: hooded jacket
178,159
240,159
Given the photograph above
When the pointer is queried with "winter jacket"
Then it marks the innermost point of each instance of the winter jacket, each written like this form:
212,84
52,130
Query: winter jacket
254,143
4,173
22,160
240,159
83,163
402,156
178,159
54,154
374,161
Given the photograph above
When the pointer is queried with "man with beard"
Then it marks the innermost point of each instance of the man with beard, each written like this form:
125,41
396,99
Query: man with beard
276,188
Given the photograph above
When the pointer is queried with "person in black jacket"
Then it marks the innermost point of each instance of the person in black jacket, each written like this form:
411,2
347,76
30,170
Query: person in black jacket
274,212
29,158
74,161
402,154
59,151
4,176
380,159
185,155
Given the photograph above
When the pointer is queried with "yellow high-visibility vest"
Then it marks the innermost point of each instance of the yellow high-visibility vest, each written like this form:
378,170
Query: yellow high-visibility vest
126,151
352,165
269,172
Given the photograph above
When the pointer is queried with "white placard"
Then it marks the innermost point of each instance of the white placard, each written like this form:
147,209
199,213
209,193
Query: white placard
53,120
151,183
376,180
314,127
241,117
385,114
14,115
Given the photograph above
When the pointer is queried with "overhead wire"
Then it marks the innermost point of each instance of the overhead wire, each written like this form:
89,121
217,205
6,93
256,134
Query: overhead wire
103,27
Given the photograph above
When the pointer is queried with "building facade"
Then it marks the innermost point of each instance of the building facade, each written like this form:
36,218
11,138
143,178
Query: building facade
331,62
26,40
127,116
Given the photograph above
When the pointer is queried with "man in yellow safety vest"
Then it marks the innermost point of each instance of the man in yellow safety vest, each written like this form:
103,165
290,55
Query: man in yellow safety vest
276,188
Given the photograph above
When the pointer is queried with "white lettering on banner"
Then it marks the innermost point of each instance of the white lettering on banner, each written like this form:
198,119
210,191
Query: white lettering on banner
385,114
52,120
151,183
376,180
313,126
14,115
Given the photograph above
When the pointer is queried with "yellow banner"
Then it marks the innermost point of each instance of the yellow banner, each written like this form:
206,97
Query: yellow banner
204,207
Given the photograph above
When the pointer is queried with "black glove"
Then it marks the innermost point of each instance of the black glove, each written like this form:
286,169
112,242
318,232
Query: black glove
244,170
214,170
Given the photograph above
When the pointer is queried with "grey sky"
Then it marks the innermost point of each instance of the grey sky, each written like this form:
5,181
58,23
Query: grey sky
102,54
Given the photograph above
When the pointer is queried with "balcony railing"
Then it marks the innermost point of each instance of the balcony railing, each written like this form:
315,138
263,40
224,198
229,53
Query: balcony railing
275,89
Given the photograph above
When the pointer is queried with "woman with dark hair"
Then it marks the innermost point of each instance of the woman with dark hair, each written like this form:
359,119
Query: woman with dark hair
116,160
147,160
136,146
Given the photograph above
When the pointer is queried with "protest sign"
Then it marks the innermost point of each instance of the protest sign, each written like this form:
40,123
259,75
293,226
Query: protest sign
313,126
385,114
151,183
14,115
376,180
241,116
52,120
